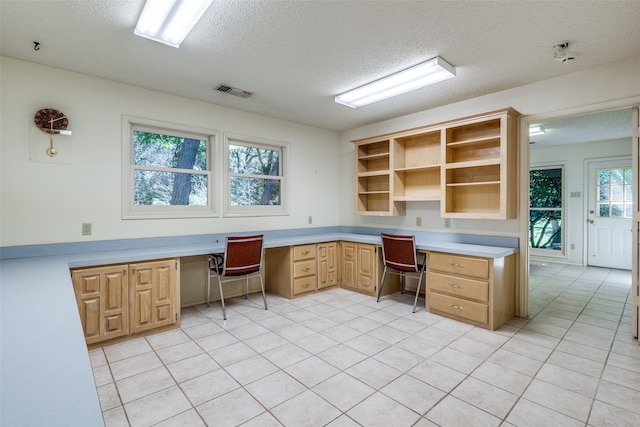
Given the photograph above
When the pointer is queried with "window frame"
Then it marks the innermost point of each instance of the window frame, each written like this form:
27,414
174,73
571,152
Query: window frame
132,211
261,210
562,253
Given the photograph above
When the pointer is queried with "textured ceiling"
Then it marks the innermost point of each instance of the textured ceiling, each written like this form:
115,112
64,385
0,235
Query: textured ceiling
295,56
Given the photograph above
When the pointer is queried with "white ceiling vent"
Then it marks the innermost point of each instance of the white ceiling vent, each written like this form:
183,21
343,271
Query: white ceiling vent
234,91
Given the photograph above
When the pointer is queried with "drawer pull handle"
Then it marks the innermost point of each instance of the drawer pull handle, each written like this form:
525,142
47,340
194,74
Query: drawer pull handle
456,265
306,268
455,306
306,285
455,285
305,252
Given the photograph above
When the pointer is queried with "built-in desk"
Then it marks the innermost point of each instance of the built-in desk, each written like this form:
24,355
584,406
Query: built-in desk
46,374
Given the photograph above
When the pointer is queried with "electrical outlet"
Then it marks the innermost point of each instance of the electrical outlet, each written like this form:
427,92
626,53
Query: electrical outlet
86,228
419,221
447,223
310,219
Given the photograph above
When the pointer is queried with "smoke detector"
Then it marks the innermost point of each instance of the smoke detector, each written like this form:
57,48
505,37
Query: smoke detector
561,53
233,91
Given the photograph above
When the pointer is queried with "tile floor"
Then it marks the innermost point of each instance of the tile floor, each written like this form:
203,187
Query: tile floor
338,358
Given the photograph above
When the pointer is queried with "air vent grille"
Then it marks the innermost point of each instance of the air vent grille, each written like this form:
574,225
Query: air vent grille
234,91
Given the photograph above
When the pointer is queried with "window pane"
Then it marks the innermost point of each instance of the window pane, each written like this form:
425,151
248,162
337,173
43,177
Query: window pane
628,210
603,177
167,151
628,192
253,160
616,210
628,176
616,193
545,230
603,193
603,210
247,191
167,188
545,189
616,176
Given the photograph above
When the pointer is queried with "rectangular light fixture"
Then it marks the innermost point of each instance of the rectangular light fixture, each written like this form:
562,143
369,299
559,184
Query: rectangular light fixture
536,130
169,21
424,74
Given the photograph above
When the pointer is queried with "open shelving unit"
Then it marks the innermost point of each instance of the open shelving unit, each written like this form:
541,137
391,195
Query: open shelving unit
468,165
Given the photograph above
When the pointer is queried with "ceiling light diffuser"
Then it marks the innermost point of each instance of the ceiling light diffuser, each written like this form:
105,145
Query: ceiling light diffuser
536,130
424,74
169,21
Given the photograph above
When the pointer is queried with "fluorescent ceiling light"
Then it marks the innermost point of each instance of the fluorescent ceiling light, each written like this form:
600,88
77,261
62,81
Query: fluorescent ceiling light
169,21
427,73
536,130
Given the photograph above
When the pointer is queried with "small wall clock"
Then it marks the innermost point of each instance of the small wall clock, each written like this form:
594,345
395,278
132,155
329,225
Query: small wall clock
53,122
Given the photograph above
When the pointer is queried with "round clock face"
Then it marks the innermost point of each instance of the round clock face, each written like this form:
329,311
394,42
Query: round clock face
50,120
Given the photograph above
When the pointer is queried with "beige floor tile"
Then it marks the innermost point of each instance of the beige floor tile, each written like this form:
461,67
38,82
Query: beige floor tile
294,332
437,375
380,410
341,356
232,353
568,379
311,371
583,351
457,360
97,358
553,397
515,362
143,384
134,365
529,414
474,348
108,397
389,334
216,341
274,389
619,396
367,344
373,373
528,349
202,330
420,346
412,393
624,362
576,363
156,407
263,420
316,343
305,410
231,409
179,352
343,421
249,370
452,412
126,349
506,379
605,415
167,339
102,375
484,396
187,418
343,391
115,417
286,355
341,333
192,367
209,386
623,377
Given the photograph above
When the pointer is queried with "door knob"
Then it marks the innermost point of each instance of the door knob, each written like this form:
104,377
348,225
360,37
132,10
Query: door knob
590,221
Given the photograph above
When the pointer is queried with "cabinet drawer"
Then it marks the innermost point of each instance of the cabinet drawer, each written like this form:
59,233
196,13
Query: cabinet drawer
467,288
467,266
304,252
304,268
458,307
304,284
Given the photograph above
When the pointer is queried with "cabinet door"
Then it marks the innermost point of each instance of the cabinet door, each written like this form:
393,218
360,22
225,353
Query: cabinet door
153,289
327,265
349,265
367,268
103,302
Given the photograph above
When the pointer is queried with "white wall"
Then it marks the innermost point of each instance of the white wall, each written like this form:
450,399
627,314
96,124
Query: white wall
612,82
45,200
574,157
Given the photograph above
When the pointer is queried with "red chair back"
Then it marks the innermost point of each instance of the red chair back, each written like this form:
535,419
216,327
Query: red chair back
242,255
399,252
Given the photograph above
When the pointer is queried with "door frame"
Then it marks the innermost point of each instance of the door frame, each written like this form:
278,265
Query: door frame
522,291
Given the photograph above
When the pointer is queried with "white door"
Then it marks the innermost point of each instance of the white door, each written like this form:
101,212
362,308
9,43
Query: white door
610,213
635,287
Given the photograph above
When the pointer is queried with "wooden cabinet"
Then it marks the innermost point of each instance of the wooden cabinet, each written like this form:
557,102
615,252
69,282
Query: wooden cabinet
102,295
153,292
362,269
120,300
297,270
475,290
327,264
479,167
469,165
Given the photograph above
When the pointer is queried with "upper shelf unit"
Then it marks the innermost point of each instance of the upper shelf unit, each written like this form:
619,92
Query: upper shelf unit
468,164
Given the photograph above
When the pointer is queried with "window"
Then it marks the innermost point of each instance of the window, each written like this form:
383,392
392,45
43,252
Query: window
167,171
545,209
256,177
615,193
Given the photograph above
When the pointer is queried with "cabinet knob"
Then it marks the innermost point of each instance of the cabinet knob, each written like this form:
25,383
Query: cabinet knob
455,306
306,268
305,252
306,285
456,265
455,285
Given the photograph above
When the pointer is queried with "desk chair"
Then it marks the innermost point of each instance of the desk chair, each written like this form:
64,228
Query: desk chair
400,257
242,259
